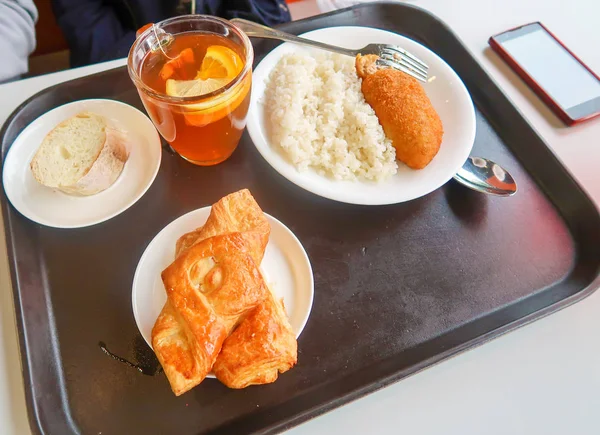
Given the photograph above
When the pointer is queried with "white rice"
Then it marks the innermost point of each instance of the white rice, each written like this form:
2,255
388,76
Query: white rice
317,114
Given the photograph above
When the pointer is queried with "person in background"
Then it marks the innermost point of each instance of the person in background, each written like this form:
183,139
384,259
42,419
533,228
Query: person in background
17,37
101,30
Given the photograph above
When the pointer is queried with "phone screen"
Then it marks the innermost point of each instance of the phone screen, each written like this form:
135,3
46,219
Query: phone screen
566,80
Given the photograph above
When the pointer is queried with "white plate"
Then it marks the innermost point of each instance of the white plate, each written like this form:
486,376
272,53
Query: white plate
285,267
446,92
57,209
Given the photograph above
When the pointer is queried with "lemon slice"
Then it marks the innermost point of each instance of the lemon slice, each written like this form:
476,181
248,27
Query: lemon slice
194,88
202,114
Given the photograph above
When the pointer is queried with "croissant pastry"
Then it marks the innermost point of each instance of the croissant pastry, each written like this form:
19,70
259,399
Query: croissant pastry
210,288
264,344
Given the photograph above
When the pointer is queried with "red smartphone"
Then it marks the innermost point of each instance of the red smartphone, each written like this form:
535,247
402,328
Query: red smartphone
557,76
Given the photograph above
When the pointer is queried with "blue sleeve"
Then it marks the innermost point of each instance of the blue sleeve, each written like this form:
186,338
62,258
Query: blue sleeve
96,31
93,30
268,12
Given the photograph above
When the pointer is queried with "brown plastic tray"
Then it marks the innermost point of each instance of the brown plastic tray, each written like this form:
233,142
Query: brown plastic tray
397,288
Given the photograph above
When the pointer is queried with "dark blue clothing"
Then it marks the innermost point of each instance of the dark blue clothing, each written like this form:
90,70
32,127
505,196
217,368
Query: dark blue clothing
100,30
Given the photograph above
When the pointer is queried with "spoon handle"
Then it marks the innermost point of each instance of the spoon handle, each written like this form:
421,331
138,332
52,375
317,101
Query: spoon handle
255,30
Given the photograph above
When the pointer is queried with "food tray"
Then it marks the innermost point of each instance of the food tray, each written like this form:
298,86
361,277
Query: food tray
397,288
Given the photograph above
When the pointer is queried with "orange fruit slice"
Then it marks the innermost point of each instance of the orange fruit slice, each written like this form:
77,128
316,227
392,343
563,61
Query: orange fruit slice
219,63
169,68
219,67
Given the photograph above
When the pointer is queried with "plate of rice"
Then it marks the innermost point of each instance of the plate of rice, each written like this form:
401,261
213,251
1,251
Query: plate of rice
309,119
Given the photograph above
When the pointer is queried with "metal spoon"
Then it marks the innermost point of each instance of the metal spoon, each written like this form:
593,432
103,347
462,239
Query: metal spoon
486,176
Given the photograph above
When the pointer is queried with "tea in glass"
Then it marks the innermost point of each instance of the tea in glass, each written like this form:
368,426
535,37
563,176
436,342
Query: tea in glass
194,76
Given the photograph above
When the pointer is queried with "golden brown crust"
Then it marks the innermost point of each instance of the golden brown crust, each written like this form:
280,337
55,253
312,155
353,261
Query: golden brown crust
179,353
210,288
263,346
406,115
366,65
237,212
264,343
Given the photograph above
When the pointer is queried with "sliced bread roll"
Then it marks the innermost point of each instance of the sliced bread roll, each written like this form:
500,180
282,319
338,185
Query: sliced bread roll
81,156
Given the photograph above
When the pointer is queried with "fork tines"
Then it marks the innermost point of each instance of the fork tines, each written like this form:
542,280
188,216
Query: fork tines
402,60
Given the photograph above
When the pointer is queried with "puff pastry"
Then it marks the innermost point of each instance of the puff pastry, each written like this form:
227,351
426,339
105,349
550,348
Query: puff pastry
194,326
236,212
260,348
264,343
210,288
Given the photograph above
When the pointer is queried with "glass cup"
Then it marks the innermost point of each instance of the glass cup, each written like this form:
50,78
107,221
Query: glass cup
203,128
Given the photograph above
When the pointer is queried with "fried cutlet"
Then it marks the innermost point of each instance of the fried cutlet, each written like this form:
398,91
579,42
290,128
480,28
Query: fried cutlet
366,65
404,111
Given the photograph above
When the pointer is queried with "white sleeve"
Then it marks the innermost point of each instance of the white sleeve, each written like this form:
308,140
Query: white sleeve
17,37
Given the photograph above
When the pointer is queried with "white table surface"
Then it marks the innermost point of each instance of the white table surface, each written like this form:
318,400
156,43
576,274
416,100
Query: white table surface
541,379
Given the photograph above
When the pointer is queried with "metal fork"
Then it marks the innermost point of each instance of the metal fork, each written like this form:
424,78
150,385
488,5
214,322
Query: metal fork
389,55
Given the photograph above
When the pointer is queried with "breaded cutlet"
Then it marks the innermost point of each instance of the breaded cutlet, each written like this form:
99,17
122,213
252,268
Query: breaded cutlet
405,112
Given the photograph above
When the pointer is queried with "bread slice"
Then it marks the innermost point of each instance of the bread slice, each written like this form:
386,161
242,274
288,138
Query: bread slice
81,156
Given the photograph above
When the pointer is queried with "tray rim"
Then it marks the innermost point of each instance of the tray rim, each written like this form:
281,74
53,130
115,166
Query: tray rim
34,418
